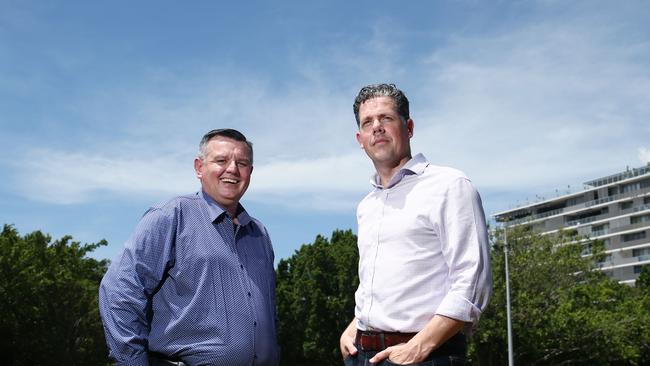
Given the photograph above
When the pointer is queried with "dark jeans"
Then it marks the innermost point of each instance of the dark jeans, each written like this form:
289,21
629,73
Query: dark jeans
452,353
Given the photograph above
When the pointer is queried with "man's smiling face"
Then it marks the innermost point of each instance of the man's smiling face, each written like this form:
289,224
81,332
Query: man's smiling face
225,171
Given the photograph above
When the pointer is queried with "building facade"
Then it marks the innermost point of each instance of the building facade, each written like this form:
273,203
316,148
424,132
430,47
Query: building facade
614,209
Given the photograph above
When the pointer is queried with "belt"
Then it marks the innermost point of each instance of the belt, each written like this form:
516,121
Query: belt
378,341
157,359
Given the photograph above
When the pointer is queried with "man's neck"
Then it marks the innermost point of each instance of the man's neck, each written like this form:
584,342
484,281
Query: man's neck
231,210
388,171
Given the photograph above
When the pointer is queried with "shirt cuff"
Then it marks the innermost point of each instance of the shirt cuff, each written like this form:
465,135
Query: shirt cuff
459,308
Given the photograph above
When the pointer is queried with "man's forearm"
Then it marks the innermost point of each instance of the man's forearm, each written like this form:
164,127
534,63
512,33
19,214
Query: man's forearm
437,331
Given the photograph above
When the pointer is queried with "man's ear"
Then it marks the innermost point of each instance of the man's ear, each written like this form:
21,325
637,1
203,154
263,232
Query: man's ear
409,127
358,135
198,164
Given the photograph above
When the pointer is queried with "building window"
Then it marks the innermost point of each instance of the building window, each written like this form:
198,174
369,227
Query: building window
598,230
645,183
641,252
638,269
646,200
630,187
633,236
639,219
606,260
599,227
612,191
625,205
588,248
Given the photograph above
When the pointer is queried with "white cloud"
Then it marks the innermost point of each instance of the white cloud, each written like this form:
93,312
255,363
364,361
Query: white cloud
338,173
67,178
534,107
644,155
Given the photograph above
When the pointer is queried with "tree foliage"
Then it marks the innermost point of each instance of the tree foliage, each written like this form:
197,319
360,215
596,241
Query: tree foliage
315,298
643,282
48,301
563,311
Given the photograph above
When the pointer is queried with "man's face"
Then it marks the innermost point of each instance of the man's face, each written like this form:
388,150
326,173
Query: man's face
225,171
382,134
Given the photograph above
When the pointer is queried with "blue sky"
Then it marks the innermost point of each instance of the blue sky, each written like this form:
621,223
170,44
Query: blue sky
102,105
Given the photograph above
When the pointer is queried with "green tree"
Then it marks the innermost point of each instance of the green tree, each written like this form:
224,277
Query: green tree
315,298
48,301
643,282
563,311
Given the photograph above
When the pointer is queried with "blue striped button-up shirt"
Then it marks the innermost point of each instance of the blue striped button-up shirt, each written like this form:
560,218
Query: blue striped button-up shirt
191,284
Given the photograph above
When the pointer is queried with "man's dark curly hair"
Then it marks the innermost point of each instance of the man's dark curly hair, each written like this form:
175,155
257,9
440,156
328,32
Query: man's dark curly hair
382,90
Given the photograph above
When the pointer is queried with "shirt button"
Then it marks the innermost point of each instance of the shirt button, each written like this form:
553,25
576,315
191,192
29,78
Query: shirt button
241,266
249,294
254,324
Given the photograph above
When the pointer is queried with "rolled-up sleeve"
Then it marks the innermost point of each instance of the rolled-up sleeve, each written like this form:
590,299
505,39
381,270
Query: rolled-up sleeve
465,249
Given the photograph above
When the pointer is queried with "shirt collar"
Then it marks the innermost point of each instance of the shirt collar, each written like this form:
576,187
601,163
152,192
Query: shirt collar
215,210
415,165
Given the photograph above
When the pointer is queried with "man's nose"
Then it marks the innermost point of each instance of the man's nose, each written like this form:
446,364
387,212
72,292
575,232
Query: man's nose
232,167
377,125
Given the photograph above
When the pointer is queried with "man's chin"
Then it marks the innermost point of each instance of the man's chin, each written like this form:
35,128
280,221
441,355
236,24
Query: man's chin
382,156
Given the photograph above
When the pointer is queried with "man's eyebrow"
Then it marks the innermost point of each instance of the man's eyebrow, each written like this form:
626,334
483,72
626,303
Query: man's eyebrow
380,115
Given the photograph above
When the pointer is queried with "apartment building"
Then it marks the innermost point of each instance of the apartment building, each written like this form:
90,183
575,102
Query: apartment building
614,209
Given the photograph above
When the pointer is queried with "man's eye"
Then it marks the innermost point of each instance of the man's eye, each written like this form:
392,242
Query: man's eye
242,164
220,161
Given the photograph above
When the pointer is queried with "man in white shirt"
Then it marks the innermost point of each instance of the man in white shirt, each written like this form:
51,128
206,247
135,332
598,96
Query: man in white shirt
424,265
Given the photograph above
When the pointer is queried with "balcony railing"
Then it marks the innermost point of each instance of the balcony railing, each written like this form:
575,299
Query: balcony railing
627,262
579,206
599,232
536,216
619,176
641,208
645,257
585,220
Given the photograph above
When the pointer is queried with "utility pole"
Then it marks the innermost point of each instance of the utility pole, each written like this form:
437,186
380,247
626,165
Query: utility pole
511,361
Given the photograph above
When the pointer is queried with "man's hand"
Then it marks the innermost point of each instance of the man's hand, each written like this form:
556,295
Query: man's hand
347,340
437,331
403,354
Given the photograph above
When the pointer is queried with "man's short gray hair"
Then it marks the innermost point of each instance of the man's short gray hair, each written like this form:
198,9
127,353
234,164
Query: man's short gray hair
382,90
223,132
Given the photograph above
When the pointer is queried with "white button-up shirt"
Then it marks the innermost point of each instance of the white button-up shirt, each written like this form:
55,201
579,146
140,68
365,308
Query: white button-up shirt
423,250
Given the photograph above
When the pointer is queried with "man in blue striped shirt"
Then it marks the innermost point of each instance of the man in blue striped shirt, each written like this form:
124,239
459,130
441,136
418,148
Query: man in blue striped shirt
195,284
